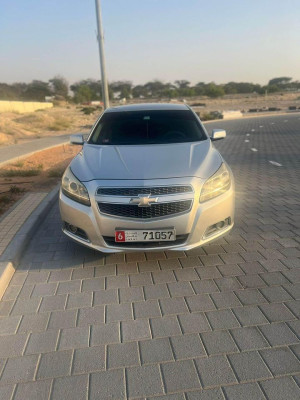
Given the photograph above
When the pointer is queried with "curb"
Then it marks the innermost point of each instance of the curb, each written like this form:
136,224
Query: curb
21,157
10,259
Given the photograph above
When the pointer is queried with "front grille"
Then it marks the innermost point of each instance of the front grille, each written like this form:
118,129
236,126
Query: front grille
135,191
110,240
154,211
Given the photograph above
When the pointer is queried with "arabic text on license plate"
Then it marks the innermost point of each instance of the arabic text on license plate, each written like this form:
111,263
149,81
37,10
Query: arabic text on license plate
165,235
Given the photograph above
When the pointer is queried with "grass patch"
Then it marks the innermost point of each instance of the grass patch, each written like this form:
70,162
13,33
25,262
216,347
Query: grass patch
88,110
59,124
18,164
4,199
26,172
15,190
56,173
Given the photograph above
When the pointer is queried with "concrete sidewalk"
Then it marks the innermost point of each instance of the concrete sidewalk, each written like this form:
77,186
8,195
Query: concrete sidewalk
16,151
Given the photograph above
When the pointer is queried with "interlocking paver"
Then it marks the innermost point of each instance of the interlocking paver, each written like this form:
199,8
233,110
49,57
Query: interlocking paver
278,334
71,387
155,351
281,389
156,292
215,371
122,355
107,384
180,375
73,338
250,315
249,338
135,330
180,289
165,326
42,342
79,300
118,312
104,334
33,390
244,391
90,316
128,295
146,309
12,345
89,359
194,323
281,361
187,346
218,342
9,325
207,394
19,369
222,319
249,366
144,381
277,312
174,305
54,364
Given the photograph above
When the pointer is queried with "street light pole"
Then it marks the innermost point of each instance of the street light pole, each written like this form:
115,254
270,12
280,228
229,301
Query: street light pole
102,58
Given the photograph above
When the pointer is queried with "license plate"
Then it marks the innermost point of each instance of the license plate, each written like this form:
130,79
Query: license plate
161,235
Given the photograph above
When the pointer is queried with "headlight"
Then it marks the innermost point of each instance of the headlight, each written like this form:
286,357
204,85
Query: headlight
216,185
74,189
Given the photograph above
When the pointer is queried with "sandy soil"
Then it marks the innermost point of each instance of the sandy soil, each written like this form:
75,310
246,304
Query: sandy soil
48,165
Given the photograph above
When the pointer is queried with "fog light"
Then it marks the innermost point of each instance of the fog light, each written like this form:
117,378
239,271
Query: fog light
73,228
215,228
220,225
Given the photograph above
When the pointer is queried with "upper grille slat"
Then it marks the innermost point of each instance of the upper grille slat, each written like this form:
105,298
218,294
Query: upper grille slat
153,191
154,211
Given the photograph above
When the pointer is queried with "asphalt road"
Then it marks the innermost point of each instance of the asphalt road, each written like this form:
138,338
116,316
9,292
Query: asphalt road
219,322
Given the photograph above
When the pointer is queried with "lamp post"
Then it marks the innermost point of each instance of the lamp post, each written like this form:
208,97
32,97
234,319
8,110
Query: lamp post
101,52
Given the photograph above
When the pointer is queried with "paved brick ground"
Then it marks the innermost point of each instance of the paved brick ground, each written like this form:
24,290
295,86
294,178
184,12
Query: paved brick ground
219,322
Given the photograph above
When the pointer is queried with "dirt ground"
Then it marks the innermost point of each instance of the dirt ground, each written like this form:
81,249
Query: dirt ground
67,118
38,173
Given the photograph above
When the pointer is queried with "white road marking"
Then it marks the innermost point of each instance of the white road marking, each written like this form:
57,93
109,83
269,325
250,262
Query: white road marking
275,163
272,123
248,134
247,141
261,126
252,130
253,149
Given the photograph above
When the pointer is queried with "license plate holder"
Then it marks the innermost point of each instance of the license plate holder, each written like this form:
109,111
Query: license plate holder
145,235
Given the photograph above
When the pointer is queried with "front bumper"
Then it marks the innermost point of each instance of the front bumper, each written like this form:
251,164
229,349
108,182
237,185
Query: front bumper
192,226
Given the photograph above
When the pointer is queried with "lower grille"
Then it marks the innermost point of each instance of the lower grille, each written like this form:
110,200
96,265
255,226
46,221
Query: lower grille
154,211
110,240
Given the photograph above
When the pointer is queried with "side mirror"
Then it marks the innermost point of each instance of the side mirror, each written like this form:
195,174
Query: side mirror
218,134
77,139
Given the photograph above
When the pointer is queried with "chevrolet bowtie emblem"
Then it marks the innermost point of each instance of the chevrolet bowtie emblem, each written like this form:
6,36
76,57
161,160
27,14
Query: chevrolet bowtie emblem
143,201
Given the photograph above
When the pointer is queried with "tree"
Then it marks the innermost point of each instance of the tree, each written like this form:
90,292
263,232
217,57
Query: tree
59,86
122,88
283,80
213,90
182,84
37,91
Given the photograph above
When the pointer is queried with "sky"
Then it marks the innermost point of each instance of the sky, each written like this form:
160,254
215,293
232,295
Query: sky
196,40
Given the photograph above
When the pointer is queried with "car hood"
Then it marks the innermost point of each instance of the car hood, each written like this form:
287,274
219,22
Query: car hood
198,159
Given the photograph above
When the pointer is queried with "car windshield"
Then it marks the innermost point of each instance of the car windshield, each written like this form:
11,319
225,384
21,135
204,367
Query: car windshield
147,127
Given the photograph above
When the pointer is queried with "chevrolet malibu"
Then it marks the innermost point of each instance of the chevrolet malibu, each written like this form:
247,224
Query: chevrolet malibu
148,177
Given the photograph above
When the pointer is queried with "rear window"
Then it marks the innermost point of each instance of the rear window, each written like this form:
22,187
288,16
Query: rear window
147,127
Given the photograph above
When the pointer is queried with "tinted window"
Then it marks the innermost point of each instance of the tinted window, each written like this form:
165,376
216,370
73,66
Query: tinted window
147,127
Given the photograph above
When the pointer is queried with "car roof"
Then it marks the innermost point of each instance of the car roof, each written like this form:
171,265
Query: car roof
148,107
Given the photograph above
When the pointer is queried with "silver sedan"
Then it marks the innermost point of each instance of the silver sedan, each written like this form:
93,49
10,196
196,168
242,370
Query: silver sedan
148,177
